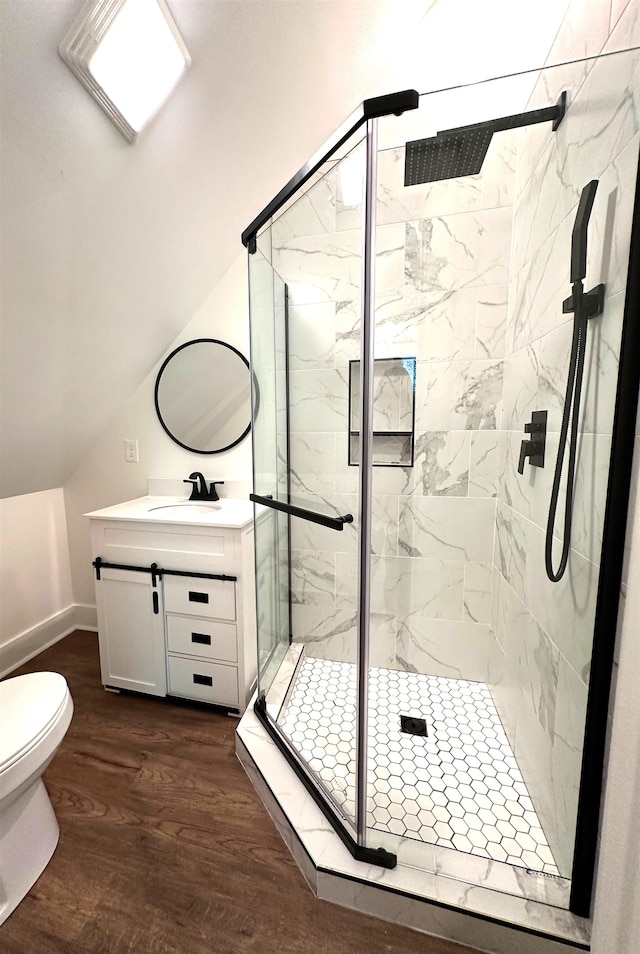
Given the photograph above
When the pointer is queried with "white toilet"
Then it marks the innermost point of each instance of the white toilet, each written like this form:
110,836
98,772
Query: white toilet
35,712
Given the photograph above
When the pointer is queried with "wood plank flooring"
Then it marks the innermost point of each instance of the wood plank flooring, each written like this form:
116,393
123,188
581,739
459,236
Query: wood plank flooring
165,848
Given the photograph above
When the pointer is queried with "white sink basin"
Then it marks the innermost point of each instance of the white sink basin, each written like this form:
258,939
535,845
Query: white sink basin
185,508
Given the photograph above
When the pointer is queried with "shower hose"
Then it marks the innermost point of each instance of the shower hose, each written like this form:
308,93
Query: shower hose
571,400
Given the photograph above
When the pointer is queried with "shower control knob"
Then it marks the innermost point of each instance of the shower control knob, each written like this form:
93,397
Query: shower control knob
534,448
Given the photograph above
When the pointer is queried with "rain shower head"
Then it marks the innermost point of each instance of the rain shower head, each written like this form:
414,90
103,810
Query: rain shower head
461,151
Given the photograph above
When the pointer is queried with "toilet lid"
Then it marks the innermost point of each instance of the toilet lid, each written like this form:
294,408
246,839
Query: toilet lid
28,704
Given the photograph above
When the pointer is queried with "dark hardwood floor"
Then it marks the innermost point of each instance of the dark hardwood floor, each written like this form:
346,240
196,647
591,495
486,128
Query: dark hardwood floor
164,845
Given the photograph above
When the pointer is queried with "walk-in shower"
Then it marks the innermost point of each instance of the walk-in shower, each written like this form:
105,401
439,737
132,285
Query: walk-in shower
411,338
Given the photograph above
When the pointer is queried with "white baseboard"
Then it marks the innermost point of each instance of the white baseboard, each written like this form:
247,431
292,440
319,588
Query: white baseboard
23,647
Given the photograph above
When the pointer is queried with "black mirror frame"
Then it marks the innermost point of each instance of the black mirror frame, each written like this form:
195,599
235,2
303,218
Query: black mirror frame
166,361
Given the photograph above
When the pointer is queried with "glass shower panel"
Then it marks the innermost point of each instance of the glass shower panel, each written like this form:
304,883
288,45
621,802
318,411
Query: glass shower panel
269,423
480,665
303,337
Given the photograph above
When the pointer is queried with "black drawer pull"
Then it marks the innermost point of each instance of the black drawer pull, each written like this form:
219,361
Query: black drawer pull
202,680
202,638
195,597
156,604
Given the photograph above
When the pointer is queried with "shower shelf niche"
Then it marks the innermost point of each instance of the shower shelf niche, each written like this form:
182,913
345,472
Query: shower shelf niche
393,432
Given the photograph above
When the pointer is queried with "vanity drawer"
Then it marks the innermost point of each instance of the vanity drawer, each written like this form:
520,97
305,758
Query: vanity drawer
202,637
196,596
209,682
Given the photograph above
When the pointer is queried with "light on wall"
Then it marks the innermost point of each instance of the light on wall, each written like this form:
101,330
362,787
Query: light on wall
129,55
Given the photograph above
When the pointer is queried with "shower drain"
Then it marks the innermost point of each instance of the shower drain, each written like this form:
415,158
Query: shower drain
412,725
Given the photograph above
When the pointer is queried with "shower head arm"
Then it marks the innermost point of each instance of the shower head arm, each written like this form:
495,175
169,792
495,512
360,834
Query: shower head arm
548,114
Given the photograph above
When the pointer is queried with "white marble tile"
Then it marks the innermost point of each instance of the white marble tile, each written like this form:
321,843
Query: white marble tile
403,586
427,325
517,910
499,171
491,321
484,461
503,877
458,251
329,267
592,474
542,284
313,577
400,203
312,462
625,25
440,468
554,351
571,707
446,528
312,335
318,400
565,610
326,634
583,32
610,223
477,592
520,394
512,548
459,395
442,647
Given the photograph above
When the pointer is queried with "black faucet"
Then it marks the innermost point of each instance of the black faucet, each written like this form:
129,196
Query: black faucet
200,491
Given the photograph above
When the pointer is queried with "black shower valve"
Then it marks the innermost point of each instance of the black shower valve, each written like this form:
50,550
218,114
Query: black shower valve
535,447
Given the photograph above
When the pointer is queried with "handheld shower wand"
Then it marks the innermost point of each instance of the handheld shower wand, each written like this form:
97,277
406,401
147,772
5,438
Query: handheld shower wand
584,305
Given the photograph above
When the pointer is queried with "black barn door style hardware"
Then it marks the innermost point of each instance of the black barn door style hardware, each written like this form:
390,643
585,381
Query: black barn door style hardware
158,572
334,523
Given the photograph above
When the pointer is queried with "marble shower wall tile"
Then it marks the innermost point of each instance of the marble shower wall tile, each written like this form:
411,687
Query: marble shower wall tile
313,463
520,393
313,577
312,335
477,592
491,321
446,528
459,395
430,326
499,171
400,203
610,224
484,462
403,586
592,474
441,647
601,367
625,25
541,285
566,761
318,400
328,267
458,251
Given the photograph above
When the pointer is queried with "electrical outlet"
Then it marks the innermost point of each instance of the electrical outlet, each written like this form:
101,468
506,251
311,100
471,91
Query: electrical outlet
131,451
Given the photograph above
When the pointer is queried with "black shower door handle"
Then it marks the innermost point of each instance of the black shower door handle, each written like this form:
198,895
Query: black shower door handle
334,523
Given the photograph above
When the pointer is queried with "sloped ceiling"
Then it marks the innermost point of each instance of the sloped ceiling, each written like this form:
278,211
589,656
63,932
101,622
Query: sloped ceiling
108,249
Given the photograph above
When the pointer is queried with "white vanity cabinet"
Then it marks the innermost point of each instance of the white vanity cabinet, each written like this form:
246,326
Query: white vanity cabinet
176,600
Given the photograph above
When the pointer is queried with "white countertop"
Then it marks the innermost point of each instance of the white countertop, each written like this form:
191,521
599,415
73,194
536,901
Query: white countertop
233,513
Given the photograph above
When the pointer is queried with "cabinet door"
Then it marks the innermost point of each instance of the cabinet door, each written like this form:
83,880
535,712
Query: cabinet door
131,631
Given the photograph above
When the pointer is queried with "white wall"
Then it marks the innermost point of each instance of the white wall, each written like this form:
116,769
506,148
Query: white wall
36,598
104,477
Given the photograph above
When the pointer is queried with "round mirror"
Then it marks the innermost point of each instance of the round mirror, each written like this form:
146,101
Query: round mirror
203,396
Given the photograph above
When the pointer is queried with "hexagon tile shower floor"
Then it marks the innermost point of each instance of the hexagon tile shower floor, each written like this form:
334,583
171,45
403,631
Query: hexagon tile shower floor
459,786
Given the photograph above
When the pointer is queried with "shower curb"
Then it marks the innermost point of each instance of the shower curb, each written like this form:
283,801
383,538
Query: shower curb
447,907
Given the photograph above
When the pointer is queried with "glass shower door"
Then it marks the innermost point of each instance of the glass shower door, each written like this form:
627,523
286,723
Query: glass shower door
305,287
